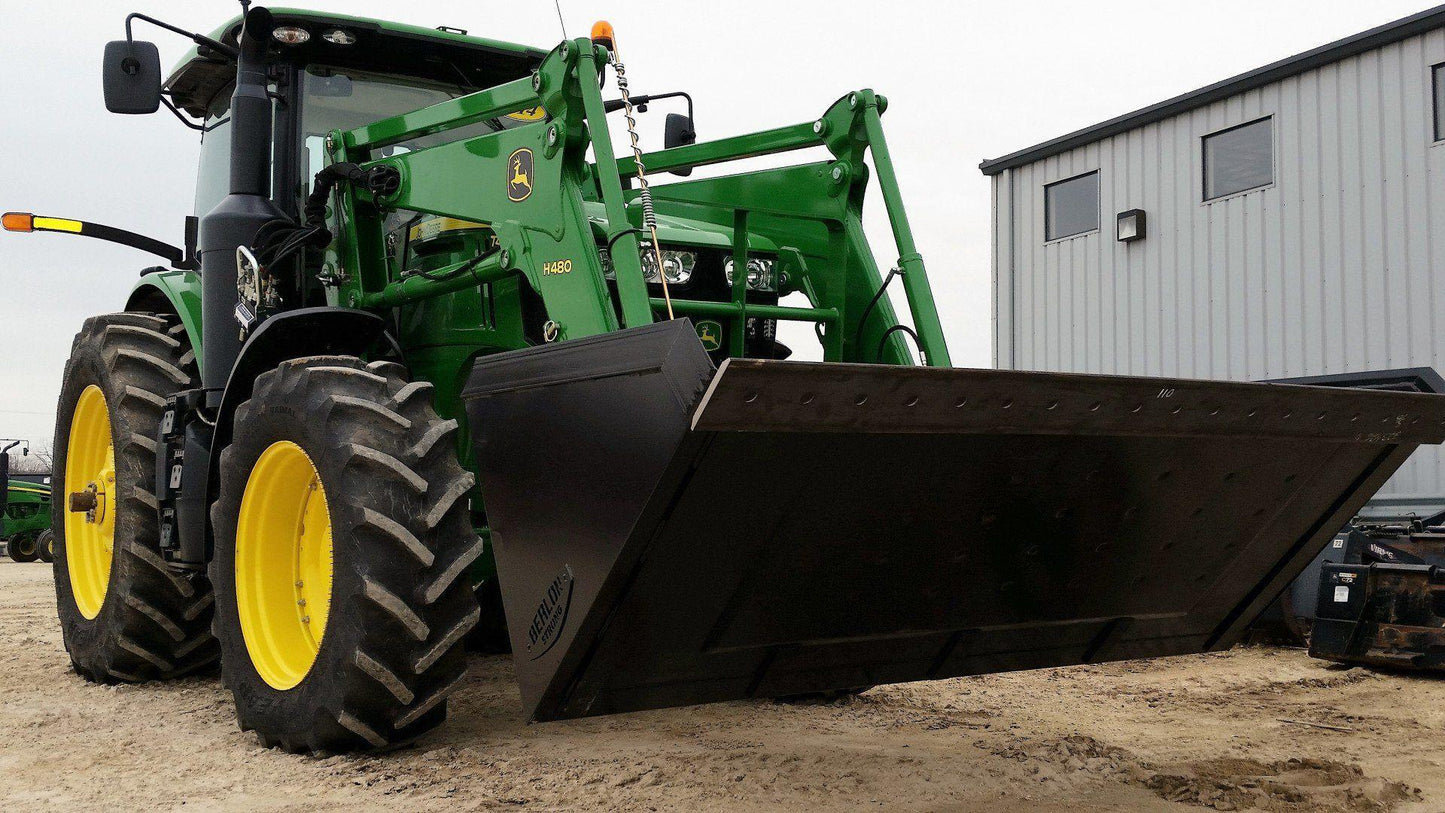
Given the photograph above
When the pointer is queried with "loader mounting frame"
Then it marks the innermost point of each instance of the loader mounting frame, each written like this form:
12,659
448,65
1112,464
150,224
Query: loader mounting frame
813,211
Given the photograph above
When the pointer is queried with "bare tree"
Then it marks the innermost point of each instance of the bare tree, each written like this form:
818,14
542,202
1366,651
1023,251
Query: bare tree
37,462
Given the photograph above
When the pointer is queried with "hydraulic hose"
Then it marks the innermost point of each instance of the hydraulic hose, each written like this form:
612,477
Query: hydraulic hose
280,240
873,303
868,311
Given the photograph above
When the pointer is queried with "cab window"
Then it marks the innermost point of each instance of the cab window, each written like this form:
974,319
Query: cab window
213,178
344,99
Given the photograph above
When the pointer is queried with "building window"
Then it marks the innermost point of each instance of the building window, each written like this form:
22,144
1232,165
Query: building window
1439,72
1239,159
1071,207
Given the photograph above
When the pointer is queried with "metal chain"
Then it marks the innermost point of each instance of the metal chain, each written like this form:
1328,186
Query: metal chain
644,194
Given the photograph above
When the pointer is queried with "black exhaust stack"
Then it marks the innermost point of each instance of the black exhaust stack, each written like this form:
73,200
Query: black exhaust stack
240,214
234,222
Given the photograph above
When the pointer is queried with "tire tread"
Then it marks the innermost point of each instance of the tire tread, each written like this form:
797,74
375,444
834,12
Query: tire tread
152,626
393,488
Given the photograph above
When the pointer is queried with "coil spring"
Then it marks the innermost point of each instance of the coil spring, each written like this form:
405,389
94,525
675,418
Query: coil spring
644,194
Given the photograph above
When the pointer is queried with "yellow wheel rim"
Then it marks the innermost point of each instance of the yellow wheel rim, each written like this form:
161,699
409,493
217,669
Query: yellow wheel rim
283,565
90,535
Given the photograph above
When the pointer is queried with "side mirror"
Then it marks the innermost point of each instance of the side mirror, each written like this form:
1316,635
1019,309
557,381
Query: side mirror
678,132
132,76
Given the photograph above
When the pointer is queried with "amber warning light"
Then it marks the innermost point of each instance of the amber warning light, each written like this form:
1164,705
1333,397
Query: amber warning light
602,34
18,221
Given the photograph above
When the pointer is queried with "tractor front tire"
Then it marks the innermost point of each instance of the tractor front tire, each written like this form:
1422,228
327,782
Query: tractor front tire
22,548
124,613
45,546
343,541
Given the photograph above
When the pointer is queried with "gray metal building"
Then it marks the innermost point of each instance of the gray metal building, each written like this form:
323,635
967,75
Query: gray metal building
1287,222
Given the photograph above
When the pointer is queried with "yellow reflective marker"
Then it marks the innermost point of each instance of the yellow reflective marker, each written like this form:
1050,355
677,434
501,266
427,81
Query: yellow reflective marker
57,224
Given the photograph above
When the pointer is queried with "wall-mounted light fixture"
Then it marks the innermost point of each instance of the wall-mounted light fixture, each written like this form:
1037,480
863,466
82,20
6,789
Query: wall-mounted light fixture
1130,226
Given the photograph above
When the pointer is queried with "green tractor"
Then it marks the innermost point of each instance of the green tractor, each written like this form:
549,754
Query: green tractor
25,512
434,359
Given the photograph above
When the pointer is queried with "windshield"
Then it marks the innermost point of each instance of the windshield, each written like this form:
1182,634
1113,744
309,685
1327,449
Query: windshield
344,99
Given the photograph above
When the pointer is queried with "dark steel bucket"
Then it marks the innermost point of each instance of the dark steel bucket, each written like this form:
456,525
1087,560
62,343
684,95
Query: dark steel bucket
669,534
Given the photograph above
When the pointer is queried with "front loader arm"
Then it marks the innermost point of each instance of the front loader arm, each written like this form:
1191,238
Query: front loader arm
544,234
526,183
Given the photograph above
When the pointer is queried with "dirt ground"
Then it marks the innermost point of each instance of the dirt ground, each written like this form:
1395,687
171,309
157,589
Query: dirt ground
1226,731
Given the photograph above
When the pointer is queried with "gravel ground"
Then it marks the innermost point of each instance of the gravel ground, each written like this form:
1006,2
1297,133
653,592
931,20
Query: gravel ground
1225,731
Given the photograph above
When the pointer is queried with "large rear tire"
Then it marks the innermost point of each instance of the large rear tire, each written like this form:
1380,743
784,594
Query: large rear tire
343,540
125,614
22,548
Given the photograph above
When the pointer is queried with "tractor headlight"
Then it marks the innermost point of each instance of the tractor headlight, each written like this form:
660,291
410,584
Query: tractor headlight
649,264
760,273
290,35
678,265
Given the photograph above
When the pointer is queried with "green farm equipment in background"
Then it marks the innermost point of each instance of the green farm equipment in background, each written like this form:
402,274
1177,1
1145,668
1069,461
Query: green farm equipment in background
435,359
25,511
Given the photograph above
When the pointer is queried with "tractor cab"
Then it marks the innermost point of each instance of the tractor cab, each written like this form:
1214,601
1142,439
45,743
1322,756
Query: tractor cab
333,72
330,73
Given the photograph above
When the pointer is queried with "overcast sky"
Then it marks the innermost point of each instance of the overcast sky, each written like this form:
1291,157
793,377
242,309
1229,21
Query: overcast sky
966,81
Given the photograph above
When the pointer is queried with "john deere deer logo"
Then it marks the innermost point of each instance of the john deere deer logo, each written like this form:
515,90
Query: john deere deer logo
519,175
710,334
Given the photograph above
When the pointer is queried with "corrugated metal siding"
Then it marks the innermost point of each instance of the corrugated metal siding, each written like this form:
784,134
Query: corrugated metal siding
1338,267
